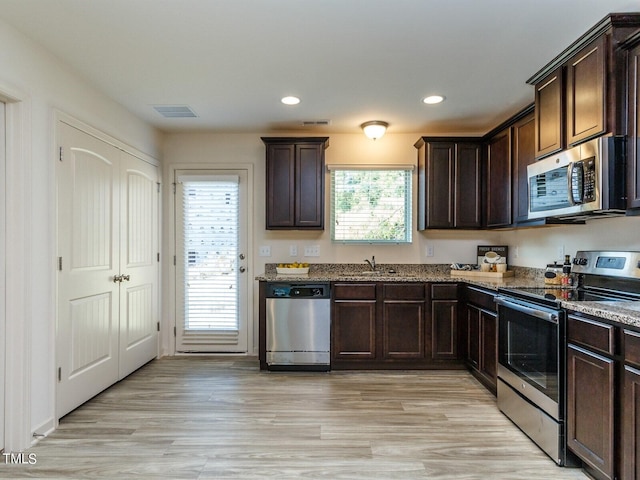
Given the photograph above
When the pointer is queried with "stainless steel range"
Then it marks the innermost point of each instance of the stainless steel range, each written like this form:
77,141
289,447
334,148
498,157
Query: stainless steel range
532,344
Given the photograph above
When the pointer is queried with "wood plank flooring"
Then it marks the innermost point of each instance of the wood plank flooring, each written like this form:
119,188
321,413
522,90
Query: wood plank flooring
220,417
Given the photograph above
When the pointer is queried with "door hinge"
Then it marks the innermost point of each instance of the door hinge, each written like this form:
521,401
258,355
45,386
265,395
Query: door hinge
158,183
59,374
60,264
174,332
60,153
158,326
174,260
158,256
174,188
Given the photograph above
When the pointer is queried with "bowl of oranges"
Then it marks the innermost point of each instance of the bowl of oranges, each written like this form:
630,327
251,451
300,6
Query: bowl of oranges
295,268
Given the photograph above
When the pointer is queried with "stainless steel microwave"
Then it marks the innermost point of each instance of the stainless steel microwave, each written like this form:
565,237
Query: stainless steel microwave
584,181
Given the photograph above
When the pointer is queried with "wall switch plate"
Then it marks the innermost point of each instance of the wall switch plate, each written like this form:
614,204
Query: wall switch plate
429,250
312,251
561,252
516,252
264,251
293,250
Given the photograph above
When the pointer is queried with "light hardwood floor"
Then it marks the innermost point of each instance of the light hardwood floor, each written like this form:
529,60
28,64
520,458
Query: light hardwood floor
220,417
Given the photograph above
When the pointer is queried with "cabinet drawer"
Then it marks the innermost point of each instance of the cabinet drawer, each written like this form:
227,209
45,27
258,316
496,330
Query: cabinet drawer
444,291
404,291
632,348
592,334
481,298
354,291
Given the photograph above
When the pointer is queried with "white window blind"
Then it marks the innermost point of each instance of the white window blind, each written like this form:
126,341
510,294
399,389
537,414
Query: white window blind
371,205
210,249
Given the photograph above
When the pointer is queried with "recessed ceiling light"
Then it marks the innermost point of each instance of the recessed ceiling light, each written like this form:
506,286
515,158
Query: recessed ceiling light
290,100
433,99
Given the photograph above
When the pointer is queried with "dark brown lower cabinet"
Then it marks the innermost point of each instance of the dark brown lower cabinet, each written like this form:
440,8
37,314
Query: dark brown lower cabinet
444,321
631,406
482,336
394,325
591,394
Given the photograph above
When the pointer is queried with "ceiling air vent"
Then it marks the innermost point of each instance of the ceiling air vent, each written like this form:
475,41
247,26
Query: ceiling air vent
175,111
316,123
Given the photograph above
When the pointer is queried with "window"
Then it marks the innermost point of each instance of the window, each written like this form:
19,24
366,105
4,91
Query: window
371,205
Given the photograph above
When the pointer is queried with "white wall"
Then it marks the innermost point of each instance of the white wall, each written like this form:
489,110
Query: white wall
47,84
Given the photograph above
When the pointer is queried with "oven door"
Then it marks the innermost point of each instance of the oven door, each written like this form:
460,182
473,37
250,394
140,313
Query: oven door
528,351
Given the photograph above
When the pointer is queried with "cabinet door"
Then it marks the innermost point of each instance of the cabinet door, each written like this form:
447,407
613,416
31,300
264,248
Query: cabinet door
353,330
280,186
499,180
444,329
403,329
523,155
489,347
439,183
473,337
633,172
586,92
468,186
549,106
631,423
590,404
309,192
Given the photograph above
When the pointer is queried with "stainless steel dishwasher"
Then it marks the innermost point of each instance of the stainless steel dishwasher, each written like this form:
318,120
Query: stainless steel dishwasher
298,326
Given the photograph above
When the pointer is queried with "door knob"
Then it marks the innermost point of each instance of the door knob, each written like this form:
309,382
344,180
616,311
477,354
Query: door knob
117,278
126,277
241,256
242,269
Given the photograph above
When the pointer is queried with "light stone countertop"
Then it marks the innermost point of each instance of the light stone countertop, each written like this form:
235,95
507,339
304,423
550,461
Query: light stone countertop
626,312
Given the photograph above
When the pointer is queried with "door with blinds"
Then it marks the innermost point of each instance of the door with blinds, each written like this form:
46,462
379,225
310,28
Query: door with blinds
211,245
107,204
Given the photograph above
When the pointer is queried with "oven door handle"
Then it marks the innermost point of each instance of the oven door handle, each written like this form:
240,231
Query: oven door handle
549,316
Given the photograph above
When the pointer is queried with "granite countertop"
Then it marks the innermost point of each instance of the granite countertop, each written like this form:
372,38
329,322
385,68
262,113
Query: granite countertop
626,312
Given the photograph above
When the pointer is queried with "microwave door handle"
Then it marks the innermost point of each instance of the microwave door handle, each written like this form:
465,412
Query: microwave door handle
571,172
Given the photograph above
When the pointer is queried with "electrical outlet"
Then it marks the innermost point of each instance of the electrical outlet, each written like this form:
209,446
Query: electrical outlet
429,250
293,250
312,251
264,251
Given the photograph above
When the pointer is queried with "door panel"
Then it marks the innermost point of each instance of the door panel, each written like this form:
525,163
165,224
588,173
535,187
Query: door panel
138,263
2,271
88,233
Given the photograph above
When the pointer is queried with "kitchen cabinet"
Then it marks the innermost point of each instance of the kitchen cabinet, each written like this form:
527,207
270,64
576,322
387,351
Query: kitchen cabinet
295,182
377,325
482,336
449,183
631,406
444,321
581,93
523,141
633,143
498,180
591,396
354,331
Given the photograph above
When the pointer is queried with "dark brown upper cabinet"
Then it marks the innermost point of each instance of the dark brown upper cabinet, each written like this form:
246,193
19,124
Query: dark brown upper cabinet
633,135
295,182
523,147
582,92
449,183
549,105
498,180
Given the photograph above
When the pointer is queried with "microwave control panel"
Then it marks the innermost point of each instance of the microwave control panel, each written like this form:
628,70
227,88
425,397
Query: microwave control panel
589,191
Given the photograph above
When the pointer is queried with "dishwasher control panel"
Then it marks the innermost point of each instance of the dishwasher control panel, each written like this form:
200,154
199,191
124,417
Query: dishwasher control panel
302,290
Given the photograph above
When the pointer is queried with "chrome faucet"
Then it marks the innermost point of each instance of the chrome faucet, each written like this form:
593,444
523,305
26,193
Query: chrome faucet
372,263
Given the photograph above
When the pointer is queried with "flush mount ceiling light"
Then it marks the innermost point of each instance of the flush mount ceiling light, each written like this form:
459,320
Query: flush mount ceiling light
290,100
433,99
374,129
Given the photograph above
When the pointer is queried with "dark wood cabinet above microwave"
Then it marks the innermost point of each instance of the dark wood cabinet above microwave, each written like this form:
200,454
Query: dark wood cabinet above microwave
582,92
295,182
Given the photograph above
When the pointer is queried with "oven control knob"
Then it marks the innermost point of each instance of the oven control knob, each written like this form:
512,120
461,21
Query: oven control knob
579,261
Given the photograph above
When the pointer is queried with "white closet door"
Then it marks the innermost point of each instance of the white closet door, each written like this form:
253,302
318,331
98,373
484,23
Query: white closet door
3,304
88,244
138,263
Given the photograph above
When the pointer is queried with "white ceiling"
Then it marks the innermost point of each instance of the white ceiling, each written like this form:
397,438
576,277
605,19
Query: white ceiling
349,61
